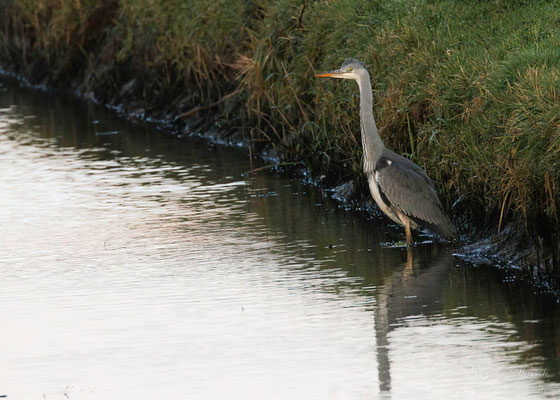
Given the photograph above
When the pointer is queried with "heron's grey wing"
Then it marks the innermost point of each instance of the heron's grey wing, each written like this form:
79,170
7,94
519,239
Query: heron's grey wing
407,187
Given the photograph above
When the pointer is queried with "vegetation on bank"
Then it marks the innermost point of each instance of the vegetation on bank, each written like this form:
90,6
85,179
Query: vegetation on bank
468,89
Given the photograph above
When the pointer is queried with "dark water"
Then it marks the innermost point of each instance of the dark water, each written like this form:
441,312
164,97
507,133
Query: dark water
138,266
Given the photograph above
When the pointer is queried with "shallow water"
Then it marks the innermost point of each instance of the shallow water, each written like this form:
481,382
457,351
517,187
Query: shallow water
139,266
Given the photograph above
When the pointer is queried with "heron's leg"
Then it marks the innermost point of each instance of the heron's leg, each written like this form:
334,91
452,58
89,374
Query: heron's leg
409,239
406,222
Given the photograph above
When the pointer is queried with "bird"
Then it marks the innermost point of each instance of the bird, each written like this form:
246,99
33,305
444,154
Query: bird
401,189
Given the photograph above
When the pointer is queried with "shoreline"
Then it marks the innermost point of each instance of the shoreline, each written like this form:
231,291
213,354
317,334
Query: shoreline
463,91
498,250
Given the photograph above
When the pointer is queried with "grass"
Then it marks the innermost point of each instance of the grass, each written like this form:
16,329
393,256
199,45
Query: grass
467,89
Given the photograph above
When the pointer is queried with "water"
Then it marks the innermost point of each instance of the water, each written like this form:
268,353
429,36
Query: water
138,266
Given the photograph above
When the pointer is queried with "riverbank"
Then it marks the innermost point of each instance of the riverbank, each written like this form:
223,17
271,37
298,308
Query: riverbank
468,91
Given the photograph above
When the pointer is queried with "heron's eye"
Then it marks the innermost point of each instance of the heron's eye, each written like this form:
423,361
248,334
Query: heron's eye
350,69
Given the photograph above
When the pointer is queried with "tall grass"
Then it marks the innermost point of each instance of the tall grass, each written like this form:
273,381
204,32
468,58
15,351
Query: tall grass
467,89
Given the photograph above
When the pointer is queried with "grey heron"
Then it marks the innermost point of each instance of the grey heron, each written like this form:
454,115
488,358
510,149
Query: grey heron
400,188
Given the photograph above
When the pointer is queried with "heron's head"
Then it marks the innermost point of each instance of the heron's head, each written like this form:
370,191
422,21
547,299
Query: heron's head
350,69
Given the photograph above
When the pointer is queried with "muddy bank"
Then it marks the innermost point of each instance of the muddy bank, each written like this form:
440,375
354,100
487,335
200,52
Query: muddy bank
243,73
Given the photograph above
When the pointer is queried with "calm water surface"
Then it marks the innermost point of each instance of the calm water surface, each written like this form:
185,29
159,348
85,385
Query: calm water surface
138,266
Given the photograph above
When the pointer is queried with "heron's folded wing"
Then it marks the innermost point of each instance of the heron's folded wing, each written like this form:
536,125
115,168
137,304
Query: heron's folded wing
409,189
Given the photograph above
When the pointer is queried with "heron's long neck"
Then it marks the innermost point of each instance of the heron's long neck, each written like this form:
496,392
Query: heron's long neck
370,137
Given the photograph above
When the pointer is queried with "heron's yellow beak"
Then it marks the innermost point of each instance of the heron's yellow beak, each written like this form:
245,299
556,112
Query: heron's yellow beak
333,74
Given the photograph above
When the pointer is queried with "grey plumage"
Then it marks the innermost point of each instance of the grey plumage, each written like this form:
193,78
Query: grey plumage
400,181
401,188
